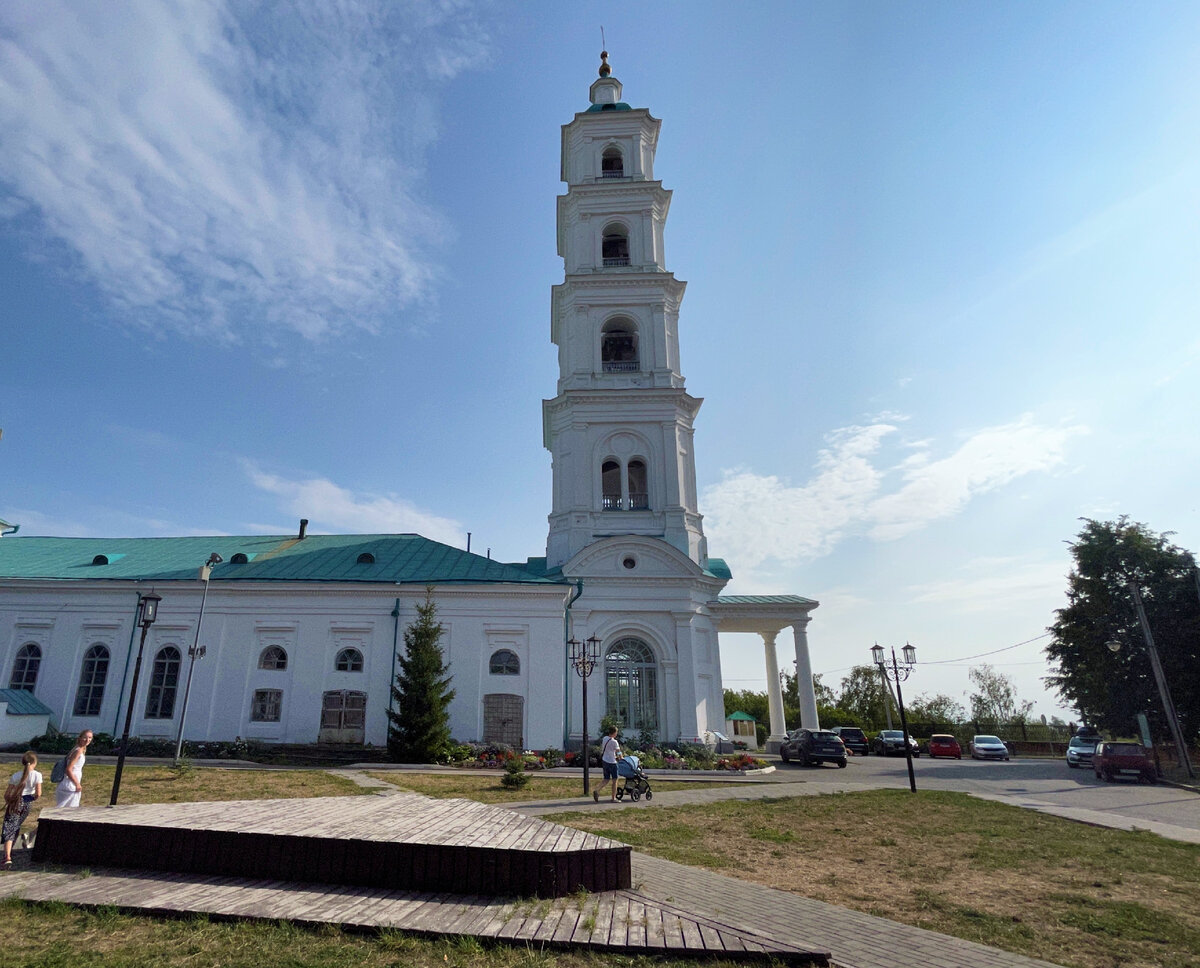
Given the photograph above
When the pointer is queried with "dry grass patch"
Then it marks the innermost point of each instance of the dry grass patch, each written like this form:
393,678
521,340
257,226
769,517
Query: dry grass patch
56,935
1022,881
487,789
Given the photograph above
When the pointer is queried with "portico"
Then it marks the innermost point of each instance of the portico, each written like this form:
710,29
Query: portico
768,615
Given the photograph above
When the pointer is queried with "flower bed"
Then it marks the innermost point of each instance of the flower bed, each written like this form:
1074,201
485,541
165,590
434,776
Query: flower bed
682,756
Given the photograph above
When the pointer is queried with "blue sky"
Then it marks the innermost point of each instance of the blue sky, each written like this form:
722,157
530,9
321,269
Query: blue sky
261,262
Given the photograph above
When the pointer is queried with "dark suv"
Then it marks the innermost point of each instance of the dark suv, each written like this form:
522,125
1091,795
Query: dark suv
810,747
890,742
854,739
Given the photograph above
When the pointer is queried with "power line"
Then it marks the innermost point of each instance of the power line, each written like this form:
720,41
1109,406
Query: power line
980,655
965,658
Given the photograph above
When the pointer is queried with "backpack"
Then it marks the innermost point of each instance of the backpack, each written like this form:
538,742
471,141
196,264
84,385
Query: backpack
59,773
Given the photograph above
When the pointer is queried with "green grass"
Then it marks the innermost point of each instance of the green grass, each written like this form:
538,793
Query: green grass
988,872
53,935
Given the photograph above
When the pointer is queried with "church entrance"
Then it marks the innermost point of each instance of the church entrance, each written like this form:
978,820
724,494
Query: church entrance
343,717
503,719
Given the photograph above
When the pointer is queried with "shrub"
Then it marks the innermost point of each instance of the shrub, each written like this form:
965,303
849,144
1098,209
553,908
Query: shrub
552,757
515,776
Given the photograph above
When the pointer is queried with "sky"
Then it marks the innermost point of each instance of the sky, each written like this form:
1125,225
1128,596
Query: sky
265,261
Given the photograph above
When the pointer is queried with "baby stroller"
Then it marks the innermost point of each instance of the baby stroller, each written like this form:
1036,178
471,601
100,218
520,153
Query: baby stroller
633,780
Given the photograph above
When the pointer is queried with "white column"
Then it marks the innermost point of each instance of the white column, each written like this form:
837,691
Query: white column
804,678
774,694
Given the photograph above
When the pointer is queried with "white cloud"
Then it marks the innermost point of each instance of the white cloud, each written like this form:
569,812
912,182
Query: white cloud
997,584
337,509
231,169
987,460
755,519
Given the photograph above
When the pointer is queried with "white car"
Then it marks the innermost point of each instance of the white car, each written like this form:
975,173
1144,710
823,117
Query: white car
988,748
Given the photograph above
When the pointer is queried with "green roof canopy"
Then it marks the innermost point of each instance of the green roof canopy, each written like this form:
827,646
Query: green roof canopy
389,558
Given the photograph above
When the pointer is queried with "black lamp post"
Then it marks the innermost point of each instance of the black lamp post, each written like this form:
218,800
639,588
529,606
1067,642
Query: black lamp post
584,657
898,675
196,650
146,614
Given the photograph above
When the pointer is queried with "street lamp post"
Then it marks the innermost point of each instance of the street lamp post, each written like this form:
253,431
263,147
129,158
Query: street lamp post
584,657
196,651
147,612
1160,678
898,675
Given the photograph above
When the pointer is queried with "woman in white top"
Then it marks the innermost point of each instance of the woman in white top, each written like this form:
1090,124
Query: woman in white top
70,791
24,787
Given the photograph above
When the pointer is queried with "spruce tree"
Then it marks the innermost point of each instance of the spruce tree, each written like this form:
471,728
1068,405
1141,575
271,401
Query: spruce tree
419,721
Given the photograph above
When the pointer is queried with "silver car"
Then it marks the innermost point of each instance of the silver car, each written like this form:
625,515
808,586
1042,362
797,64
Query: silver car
988,748
1080,750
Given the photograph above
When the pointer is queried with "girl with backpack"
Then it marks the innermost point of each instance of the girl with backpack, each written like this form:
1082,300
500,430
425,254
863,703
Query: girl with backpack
24,787
70,791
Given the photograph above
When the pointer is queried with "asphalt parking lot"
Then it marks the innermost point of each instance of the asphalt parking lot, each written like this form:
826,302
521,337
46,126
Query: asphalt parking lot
1032,782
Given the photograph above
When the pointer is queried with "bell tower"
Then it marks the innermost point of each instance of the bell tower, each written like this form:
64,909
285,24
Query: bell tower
621,426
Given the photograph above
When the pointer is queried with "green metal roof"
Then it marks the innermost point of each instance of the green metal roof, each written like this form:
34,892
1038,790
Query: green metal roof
617,106
23,703
763,600
399,558
741,715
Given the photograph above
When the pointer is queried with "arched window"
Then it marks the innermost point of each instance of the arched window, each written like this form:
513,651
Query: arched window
612,165
349,660
239,559
614,248
624,487
631,684
91,681
610,485
25,667
273,657
619,346
639,496
504,662
366,558
164,680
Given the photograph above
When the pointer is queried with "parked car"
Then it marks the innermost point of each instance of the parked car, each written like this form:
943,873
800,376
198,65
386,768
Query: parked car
811,747
853,738
1114,759
988,748
943,744
1080,749
890,742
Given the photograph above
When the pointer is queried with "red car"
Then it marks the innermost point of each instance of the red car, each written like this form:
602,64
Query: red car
943,744
1112,760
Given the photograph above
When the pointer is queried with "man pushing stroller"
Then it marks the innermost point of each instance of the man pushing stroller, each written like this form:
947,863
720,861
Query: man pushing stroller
610,752
628,769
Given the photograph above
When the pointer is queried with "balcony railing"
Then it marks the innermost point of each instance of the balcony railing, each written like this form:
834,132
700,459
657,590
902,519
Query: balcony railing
618,173
620,260
636,502
621,366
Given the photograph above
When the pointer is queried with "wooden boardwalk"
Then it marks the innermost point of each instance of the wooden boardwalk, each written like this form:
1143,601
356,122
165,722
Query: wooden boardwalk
400,842
615,921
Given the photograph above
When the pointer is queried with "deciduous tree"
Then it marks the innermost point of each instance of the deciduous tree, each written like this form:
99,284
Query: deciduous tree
995,699
1109,689
862,694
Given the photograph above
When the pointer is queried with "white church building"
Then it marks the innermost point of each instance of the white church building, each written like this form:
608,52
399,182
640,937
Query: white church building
300,632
